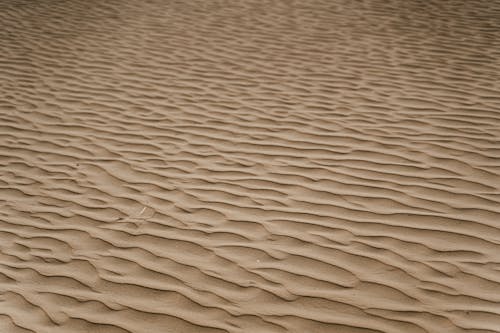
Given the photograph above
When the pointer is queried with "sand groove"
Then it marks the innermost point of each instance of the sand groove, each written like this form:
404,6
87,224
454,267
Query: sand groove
250,166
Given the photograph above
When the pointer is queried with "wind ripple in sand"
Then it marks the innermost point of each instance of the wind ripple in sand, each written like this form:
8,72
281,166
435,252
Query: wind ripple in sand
250,166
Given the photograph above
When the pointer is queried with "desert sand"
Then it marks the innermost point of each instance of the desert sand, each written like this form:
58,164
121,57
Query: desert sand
249,166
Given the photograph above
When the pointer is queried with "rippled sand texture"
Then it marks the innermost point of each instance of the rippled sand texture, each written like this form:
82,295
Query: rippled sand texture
250,166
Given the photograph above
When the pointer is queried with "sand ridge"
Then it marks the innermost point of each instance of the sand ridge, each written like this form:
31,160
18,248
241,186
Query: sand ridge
250,166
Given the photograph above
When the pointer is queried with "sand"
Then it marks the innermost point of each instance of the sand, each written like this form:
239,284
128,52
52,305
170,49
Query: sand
250,166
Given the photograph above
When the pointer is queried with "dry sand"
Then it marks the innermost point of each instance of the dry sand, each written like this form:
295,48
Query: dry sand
250,166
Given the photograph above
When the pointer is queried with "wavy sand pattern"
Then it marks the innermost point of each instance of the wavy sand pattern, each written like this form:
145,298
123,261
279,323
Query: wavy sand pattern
250,166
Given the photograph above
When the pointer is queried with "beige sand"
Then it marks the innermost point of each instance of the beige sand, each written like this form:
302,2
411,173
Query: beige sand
250,166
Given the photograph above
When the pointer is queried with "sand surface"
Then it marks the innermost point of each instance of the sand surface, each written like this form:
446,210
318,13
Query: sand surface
249,166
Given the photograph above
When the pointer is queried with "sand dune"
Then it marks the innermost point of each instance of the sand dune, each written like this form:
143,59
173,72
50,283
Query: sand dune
250,166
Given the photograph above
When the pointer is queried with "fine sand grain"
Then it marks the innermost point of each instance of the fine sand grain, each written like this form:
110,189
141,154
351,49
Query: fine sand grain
249,166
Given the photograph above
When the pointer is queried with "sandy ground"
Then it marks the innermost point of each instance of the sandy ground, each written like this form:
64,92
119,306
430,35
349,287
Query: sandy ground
250,166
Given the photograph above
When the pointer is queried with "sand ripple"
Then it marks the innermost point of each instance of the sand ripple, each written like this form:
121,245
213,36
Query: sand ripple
250,166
